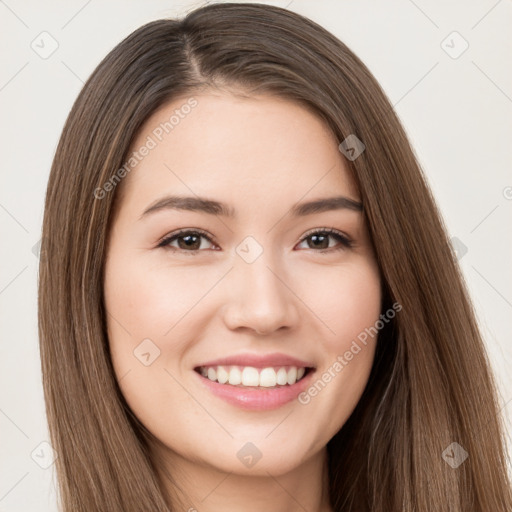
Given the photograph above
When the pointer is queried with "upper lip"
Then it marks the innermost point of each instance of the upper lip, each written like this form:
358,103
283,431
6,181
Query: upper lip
258,361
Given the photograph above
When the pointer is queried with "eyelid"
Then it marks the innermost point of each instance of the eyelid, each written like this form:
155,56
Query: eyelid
345,241
186,230
329,230
165,240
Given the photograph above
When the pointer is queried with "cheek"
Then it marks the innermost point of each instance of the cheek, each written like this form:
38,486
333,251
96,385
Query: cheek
353,308
147,322
350,303
145,300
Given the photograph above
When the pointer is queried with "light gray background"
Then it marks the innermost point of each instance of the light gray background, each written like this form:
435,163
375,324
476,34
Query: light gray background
457,112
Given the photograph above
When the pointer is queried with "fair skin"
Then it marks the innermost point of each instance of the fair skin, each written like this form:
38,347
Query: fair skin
260,156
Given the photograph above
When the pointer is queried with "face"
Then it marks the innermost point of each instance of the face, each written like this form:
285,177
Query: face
263,295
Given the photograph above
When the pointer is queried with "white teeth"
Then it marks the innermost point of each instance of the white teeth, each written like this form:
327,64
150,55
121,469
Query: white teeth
222,375
292,375
212,374
268,377
282,376
253,377
250,376
235,376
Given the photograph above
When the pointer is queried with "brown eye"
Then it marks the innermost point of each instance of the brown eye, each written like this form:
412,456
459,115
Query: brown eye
188,241
320,240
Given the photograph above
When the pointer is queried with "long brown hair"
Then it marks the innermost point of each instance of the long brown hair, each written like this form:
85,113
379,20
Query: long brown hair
431,384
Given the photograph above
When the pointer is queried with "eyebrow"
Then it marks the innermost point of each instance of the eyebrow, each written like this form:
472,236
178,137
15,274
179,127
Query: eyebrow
211,207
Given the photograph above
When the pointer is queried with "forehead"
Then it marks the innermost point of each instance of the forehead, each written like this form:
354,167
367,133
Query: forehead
253,152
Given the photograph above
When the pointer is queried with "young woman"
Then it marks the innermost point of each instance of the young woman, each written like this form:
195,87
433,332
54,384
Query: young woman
249,300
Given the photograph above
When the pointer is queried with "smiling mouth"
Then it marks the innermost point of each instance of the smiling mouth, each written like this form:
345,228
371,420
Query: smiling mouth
256,378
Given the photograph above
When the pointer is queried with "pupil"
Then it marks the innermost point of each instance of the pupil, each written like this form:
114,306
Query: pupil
190,241
316,237
188,244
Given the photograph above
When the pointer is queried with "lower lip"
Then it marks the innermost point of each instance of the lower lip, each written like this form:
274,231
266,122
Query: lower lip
260,399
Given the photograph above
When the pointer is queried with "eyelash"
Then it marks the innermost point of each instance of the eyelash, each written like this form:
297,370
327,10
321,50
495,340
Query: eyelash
346,243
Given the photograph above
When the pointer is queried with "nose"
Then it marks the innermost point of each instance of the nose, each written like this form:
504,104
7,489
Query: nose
260,298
